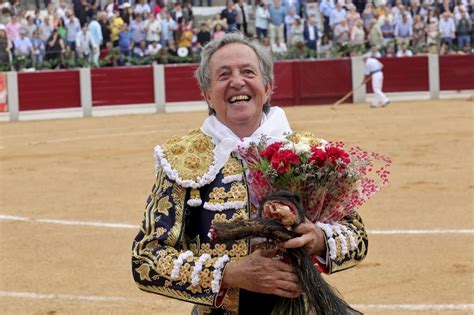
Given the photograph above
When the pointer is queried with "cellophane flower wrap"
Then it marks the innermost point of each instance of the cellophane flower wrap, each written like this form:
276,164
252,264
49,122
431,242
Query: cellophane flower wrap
331,179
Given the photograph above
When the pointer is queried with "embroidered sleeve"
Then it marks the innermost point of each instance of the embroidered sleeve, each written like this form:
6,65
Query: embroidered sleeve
159,262
346,243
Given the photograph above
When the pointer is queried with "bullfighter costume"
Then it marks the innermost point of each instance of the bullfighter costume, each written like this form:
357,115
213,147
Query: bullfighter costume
200,181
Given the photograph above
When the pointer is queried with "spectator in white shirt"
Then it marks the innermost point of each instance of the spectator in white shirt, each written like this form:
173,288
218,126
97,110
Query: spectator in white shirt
85,45
23,46
153,49
337,15
141,7
447,29
403,51
152,29
279,48
262,19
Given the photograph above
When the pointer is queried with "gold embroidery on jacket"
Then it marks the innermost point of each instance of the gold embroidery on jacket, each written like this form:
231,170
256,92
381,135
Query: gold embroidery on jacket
190,155
232,167
164,205
178,196
144,272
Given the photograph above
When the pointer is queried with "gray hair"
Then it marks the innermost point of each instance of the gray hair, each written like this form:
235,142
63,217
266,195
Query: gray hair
264,57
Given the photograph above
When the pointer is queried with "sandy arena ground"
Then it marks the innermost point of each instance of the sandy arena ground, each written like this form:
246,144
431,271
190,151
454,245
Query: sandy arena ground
102,169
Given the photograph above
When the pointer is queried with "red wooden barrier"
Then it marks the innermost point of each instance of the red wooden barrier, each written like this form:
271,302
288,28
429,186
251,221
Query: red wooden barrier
408,74
122,85
284,92
456,72
323,81
180,84
49,90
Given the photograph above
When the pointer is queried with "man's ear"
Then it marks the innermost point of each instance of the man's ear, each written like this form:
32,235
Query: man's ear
207,97
268,91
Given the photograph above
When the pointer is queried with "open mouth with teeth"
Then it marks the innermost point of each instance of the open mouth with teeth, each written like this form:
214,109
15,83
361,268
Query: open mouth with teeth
239,98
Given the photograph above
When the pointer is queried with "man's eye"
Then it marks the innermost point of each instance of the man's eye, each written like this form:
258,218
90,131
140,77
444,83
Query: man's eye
222,76
249,72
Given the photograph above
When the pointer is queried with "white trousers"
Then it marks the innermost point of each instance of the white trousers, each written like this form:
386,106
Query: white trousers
274,32
377,84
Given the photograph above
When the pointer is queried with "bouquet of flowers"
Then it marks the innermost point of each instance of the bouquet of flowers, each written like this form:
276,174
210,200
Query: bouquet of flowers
305,177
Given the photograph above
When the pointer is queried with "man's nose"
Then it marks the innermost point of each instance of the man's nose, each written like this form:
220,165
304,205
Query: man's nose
237,81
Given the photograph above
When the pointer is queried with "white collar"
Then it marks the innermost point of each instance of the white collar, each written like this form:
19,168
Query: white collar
274,126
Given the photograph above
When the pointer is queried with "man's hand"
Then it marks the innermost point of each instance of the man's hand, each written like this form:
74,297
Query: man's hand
259,272
312,239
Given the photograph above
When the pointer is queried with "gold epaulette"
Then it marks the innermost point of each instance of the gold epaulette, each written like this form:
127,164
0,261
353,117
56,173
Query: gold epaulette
187,159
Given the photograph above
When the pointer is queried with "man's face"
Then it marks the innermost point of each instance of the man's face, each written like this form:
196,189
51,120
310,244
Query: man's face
237,93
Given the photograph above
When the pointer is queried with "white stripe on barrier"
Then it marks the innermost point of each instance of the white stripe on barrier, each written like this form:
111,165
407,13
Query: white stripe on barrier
4,217
95,298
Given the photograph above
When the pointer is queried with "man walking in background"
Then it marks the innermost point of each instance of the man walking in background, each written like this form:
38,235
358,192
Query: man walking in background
373,68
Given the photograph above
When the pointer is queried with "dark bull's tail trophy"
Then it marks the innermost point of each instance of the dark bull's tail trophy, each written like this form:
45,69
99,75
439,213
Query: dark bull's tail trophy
320,296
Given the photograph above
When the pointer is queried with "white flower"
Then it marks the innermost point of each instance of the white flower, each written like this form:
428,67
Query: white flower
301,148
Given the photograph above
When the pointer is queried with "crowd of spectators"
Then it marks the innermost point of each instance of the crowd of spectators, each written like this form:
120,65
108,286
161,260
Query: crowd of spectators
101,33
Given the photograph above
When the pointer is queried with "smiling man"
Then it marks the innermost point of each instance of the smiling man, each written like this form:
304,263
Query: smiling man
200,181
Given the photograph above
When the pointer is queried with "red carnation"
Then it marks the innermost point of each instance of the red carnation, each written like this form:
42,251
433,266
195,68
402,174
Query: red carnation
271,150
282,160
318,157
335,154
